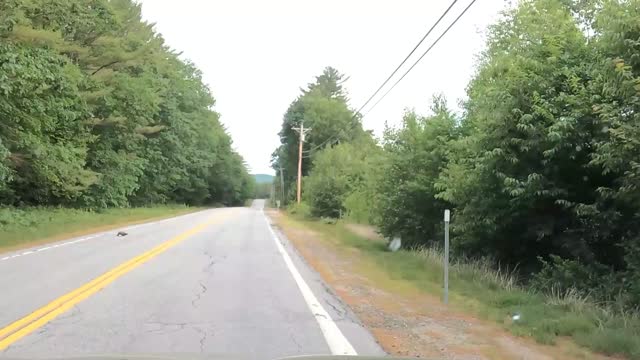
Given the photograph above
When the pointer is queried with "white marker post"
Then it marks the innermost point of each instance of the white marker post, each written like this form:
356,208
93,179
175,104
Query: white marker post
447,218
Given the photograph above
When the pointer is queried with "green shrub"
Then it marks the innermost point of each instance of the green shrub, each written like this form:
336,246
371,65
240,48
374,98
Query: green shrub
341,181
325,196
358,207
415,155
303,210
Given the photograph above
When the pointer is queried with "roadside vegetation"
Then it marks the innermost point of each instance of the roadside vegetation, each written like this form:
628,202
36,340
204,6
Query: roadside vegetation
479,287
97,113
101,124
26,226
540,170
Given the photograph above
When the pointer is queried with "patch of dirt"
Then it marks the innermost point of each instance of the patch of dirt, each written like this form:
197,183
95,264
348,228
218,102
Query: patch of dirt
409,322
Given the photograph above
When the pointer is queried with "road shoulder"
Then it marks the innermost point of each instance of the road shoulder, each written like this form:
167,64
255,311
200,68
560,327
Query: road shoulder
344,318
404,320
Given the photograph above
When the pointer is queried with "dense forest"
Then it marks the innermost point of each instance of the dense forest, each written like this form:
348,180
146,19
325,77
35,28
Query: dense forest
96,111
541,167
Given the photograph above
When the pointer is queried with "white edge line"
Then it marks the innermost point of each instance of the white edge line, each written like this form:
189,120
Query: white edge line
338,343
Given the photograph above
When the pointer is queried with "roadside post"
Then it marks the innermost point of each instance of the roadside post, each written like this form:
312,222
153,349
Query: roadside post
447,218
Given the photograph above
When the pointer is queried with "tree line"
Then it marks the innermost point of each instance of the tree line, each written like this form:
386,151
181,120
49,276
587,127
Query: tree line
97,111
541,168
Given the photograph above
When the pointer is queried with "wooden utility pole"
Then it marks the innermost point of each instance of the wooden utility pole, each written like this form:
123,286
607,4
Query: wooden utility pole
302,131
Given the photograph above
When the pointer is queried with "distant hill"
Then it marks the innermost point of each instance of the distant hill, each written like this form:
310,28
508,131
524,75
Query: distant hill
263,178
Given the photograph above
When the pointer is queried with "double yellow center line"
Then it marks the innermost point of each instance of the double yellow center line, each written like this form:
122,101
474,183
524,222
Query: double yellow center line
23,327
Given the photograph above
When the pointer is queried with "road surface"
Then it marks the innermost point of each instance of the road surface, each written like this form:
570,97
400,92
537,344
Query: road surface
220,281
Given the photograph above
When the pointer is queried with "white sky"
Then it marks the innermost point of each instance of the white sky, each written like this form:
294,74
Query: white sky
256,54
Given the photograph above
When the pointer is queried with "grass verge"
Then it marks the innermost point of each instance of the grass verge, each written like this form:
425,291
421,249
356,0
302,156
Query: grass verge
476,287
22,227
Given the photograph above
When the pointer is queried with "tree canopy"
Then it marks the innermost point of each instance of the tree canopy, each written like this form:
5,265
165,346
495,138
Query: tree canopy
323,107
97,111
540,168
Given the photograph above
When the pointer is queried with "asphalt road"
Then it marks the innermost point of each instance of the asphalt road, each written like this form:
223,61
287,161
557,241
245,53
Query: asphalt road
220,281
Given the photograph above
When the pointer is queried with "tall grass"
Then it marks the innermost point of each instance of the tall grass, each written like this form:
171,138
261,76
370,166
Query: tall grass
604,327
482,269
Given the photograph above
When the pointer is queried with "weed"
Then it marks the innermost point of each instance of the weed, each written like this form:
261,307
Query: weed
569,300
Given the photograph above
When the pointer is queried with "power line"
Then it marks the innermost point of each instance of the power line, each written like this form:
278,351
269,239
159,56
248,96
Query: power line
397,68
389,77
329,139
408,56
423,55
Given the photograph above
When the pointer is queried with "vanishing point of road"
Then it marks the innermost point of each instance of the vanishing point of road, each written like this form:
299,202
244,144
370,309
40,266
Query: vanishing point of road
220,281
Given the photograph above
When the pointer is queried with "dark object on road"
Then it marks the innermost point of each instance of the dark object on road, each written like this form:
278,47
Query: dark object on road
121,233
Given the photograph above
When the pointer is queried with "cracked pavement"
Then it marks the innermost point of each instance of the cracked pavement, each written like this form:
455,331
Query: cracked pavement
225,290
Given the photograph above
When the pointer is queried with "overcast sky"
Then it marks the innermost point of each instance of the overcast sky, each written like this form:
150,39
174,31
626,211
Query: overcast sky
256,54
